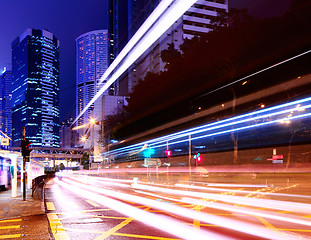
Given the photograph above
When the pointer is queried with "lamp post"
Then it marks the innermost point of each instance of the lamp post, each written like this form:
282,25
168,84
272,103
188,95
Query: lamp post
92,122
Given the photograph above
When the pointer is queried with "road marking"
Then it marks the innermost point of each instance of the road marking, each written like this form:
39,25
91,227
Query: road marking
114,229
294,230
10,236
57,228
50,206
10,227
271,227
93,203
196,224
11,220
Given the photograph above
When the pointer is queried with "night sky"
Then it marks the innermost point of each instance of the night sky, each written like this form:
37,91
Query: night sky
68,19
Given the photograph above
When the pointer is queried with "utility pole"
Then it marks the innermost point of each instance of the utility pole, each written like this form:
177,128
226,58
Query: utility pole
25,143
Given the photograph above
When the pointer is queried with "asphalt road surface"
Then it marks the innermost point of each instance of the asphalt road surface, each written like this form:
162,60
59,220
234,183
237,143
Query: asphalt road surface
175,207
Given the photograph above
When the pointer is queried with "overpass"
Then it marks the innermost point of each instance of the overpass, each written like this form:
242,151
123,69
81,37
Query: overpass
55,153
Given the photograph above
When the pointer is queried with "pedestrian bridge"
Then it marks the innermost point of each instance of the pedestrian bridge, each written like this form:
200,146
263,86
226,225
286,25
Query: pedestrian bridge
56,153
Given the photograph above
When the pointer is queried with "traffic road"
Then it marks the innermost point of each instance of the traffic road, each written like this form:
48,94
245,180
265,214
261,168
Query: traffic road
93,207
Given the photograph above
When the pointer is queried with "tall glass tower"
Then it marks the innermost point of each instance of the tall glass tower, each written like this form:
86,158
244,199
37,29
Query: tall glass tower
6,102
35,88
92,60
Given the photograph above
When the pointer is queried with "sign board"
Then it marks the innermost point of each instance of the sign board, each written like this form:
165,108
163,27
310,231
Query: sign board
152,162
5,142
277,157
277,161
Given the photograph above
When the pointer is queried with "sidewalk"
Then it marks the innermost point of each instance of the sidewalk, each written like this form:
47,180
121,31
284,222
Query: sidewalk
22,219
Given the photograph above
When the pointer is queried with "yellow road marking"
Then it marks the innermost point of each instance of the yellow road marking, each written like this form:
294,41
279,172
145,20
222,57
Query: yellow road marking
283,212
10,236
93,203
143,236
196,224
294,230
114,229
57,229
271,227
50,206
10,227
11,220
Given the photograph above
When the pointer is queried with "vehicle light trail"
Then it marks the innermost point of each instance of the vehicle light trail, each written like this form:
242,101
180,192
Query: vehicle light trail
235,225
167,12
240,210
166,224
272,204
240,191
298,109
243,210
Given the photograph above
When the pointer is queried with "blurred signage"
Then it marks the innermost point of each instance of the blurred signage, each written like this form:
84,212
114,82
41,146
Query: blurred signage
277,161
152,162
4,141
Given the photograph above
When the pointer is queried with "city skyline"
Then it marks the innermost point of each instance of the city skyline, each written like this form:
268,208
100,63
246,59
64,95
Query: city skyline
68,21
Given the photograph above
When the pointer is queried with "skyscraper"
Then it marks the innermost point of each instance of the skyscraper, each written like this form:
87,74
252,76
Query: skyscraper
6,102
92,59
35,88
126,17
195,22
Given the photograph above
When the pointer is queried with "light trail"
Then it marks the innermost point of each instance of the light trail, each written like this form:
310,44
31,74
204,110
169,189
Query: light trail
243,210
240,191
240,210
279,112
167,12
271,204
235,225
166,224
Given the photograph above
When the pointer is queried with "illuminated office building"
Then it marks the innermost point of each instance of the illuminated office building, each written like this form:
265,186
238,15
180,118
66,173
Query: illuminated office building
92,59
35,88
6,102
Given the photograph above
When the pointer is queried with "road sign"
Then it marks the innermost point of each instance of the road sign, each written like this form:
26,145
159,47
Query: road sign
277,157
4,141
277,161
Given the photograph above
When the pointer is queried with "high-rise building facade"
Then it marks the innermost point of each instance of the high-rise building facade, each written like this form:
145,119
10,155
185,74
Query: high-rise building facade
126,16
195,22
6,102
92,60
35,88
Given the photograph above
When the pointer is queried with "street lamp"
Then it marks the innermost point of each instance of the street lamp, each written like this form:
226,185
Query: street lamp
92,123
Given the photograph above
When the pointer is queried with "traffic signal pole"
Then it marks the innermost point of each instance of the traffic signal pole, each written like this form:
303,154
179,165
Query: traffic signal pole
24,168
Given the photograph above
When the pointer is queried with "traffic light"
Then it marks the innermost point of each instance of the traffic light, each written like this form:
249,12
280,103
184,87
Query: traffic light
197,157
168,153
26,148
148,152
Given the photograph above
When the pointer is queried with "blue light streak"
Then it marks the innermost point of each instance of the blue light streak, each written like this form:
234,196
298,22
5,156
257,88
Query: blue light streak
290,111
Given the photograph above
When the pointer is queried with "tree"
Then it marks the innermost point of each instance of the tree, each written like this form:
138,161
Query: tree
170,55
61,166
84,161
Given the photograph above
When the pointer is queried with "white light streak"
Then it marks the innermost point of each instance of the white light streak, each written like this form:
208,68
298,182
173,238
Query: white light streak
156,24
272,204
188,213
166,224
